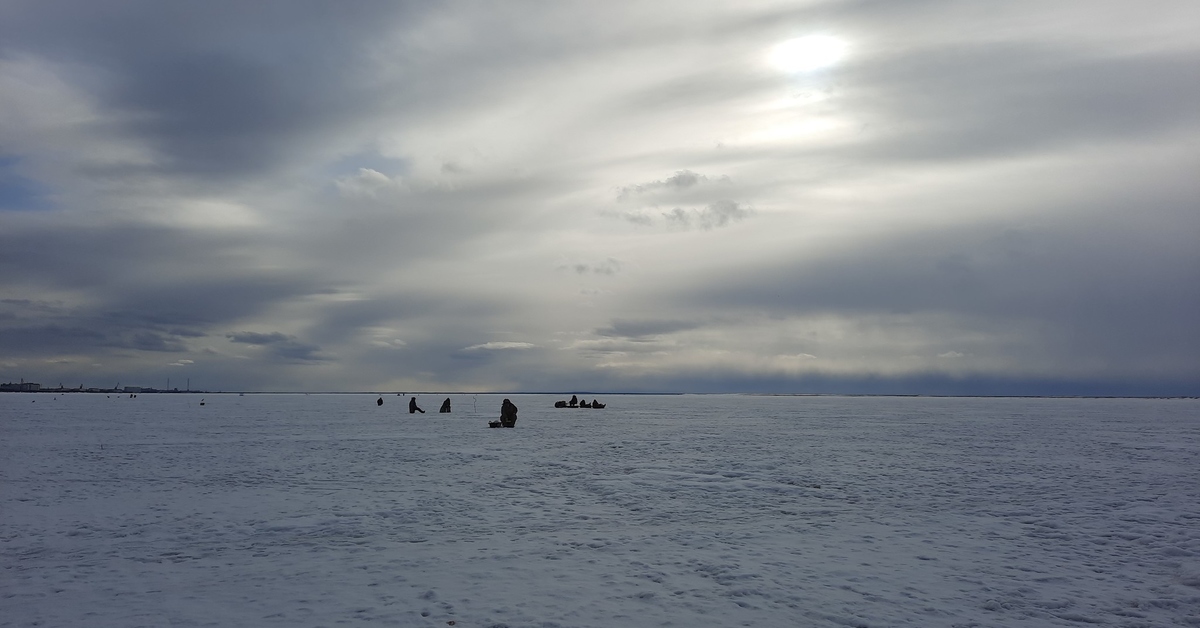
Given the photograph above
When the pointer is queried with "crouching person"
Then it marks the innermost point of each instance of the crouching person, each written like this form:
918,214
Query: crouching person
508,414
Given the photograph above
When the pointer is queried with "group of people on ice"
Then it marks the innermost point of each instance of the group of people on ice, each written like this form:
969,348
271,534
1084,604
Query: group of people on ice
576,403
508,411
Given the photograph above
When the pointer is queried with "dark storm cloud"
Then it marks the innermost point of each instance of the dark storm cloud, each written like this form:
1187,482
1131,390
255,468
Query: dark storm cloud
83,253
219,88
151,274
142,287
1090,292
145,322
58,330
281,346
641,330
31,338
210,301
257,338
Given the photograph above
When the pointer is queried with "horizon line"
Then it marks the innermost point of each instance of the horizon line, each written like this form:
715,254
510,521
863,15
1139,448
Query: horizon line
660,393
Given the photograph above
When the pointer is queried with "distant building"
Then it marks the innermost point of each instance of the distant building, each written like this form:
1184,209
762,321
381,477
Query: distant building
24,386
132,389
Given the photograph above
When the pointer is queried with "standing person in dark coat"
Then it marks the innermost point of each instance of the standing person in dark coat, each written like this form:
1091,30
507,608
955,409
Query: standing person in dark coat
445,405
508,414
412,406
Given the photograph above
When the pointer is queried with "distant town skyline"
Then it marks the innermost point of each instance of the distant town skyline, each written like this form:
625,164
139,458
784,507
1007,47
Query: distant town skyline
804,196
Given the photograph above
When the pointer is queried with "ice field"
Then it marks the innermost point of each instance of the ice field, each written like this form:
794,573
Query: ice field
328,510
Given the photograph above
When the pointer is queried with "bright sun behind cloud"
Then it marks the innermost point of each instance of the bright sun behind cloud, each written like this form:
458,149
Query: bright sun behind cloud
805,54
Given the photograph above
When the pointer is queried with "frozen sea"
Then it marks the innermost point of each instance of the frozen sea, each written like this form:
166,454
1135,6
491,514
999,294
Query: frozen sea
696,510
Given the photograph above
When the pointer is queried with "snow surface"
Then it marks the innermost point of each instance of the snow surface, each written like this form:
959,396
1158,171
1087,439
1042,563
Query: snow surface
324,510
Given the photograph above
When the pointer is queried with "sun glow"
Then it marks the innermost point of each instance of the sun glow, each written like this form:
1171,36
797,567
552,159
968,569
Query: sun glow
805,54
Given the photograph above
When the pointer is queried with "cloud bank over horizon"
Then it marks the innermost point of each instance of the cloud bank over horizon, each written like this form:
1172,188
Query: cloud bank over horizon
915,197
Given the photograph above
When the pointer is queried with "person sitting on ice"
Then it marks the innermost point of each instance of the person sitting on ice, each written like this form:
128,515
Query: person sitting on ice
508,414
445,405
574,403
412,406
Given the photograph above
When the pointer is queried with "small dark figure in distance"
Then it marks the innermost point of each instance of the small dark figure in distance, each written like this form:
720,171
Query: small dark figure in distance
597,404
445,406
412,406
379,402
560,404
508,414
574,403
584,404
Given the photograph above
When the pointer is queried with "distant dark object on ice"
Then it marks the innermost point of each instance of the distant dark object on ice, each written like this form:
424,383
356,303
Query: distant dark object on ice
576,403
412,406
445,405
201,402
379,402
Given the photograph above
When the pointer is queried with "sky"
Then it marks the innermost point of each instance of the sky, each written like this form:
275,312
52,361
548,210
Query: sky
901,196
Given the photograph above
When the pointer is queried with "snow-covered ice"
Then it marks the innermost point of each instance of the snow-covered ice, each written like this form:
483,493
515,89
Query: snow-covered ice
730,510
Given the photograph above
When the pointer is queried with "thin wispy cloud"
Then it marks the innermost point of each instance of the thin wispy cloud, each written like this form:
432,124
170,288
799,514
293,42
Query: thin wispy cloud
500,346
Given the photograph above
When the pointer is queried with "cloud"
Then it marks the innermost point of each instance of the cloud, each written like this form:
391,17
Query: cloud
258,338
339,197
18,192
500,346
717,215
281,346
681,180
703,205
989,99
639,330
609,266
367,183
